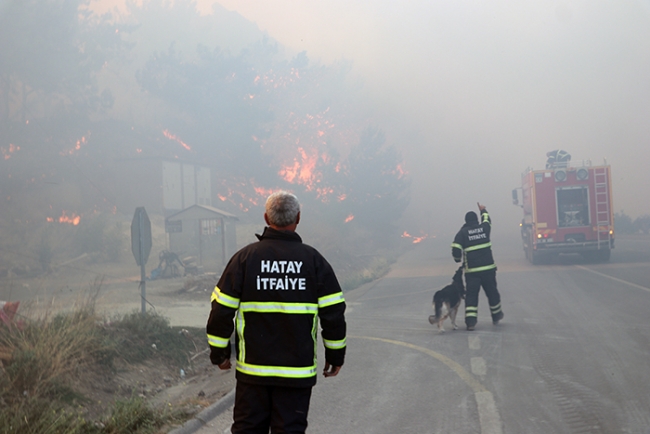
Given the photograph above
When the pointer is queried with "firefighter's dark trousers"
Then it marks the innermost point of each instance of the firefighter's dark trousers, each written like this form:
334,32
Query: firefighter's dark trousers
473,283
282,409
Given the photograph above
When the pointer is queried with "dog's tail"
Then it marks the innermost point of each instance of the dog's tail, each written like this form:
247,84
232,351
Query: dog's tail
437,306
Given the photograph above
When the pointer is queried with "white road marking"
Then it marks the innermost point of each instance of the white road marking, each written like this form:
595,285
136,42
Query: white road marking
488,413
616,279
474,342
478,366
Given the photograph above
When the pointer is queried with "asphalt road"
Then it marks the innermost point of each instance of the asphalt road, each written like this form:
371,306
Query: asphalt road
571,355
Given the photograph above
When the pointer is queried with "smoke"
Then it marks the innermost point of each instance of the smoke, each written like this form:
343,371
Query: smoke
474,92
468,94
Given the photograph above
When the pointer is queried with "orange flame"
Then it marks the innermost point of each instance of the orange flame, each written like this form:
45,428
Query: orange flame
264,192
349,218
77,146
236,194
301,172
171,136
6,152
398,171
72,219
416,240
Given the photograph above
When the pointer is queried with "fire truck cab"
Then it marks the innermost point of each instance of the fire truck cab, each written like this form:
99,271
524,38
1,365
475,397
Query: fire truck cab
567,208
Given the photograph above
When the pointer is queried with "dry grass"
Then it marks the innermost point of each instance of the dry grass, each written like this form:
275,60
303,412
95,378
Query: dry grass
46,351
46,357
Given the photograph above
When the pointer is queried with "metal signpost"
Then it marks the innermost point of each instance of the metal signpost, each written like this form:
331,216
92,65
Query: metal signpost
141,246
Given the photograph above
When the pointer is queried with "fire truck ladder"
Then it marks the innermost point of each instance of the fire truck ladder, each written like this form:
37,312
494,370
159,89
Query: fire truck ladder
602,207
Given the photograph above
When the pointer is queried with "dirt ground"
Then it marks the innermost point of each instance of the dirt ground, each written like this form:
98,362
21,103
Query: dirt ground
185,301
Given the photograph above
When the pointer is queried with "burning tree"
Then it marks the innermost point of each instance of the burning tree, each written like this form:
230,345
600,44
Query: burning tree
267,123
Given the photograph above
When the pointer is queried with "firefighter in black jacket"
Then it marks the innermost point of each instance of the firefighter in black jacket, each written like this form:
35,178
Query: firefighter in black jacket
277,289
472,246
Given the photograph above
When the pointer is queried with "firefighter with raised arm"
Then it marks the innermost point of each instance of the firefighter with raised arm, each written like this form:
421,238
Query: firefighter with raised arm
473,248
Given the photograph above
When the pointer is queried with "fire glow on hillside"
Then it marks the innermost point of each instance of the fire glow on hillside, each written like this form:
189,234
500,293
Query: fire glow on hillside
171,136
414,239
301,172
6,152
81,142
235,193
72,219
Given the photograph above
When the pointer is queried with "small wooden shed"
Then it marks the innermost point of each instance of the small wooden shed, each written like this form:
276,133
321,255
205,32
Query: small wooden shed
207,233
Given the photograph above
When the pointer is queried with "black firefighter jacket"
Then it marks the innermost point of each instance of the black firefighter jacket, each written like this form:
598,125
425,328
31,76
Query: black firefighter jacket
472,245
277,289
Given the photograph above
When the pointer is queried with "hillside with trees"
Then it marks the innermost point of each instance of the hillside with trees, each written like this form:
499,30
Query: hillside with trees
80,92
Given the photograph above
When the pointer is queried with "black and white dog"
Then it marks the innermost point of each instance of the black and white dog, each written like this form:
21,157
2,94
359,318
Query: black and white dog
448,297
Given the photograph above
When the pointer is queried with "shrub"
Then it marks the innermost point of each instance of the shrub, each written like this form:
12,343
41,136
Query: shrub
141,336
41,416
132,416
47,354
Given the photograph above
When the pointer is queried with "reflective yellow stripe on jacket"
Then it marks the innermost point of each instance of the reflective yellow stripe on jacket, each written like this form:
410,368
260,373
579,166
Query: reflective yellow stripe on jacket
335,345
276,307
478,247
276,371
227,301
217,341
476,269
331,299
224,299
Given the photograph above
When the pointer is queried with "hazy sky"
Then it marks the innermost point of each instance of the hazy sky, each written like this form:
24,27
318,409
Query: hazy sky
476,91
499,83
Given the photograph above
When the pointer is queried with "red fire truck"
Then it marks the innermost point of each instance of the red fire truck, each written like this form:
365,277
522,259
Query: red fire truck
567,209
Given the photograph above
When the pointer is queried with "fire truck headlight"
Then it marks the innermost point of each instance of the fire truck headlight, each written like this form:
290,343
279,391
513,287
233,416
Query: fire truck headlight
539,235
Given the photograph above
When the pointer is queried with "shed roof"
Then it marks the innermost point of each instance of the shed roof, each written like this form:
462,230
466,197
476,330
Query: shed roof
196,212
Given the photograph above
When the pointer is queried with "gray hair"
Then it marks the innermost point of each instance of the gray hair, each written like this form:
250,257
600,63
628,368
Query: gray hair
282,209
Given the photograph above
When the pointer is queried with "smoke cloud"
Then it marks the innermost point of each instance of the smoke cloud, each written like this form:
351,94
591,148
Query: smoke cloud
475,92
